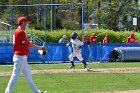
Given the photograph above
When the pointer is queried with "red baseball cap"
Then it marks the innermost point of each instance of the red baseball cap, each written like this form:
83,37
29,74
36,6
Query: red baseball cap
22,18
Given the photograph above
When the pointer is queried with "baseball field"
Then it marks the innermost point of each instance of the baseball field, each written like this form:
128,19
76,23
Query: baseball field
121,77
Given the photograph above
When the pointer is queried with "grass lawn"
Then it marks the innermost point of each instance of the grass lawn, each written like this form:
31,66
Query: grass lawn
76,83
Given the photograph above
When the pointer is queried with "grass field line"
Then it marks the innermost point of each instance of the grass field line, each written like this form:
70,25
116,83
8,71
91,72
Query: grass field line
67,71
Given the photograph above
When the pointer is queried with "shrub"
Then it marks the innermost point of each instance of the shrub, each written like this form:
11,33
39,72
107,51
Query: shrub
55,35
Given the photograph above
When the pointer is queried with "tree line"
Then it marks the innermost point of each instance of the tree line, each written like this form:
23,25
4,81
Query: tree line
108,14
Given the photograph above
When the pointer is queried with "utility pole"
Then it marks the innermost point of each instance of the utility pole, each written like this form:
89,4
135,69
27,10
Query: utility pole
82,19
38,12
79,13
53,15
37,21
11,23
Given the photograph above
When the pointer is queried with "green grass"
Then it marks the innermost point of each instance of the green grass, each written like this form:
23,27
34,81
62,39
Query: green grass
76,83
78,66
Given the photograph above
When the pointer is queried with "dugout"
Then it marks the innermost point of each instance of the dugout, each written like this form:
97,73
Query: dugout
121,54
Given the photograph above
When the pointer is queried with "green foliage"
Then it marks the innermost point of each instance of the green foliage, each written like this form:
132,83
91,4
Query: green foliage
110,12
106,13
55,35
70,18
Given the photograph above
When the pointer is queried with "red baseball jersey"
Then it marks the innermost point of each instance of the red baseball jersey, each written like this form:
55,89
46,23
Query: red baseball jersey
85,39
93,39
105,40
131,40
20,42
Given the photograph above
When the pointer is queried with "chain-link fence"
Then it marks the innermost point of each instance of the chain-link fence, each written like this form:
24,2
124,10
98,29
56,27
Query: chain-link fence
57,16
44,16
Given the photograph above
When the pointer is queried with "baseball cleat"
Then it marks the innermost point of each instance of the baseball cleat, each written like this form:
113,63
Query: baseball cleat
88,69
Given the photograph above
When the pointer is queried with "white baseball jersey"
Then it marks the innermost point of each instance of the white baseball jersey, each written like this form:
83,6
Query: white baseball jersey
76,44
76,50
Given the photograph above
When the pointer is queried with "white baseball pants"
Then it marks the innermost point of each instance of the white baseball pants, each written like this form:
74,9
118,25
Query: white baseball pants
75,54
20,66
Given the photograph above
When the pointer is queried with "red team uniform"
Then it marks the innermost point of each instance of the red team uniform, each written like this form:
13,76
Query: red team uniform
20,49
131,39
105,40
20,42
93,38
85,38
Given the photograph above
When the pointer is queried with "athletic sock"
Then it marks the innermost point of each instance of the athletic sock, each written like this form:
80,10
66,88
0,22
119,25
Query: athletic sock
84,62
72,63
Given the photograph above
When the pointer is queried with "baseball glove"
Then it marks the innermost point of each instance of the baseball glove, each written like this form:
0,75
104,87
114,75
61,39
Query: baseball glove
43,52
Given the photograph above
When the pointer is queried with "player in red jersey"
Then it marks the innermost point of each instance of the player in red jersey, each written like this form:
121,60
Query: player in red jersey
85,39
93,38
105,40
20,49
131,39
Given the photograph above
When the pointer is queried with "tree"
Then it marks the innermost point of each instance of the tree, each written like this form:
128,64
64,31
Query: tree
107,13
111,11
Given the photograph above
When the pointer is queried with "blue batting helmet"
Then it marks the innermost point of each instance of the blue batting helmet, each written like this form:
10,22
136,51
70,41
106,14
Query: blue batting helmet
74,35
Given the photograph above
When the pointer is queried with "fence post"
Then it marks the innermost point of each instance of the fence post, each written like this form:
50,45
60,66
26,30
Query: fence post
100,52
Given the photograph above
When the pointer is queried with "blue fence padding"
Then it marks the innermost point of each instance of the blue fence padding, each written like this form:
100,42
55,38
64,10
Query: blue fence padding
93,52
106,49
59,52
85,54
6,52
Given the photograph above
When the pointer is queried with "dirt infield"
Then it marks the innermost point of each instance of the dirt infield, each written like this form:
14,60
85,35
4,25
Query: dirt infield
67,71
107,70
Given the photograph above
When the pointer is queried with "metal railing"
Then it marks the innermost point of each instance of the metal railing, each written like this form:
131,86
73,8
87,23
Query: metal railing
5,38
34,39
